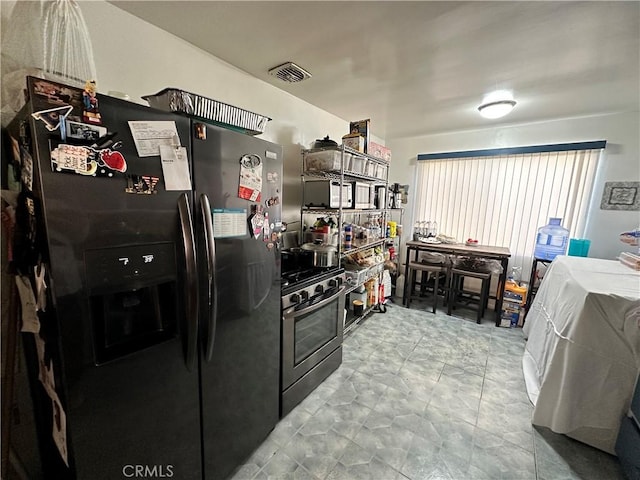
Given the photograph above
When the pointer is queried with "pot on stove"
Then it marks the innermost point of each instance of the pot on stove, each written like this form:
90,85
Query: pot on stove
323,255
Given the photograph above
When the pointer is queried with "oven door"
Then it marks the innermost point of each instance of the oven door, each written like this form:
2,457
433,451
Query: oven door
310,332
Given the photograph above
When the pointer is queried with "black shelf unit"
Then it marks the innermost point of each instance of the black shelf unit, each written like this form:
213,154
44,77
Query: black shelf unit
531,293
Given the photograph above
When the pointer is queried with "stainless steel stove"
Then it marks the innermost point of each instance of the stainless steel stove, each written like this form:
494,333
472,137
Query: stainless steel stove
312,331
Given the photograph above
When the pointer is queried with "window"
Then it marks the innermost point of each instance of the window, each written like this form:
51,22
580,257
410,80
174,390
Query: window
502,197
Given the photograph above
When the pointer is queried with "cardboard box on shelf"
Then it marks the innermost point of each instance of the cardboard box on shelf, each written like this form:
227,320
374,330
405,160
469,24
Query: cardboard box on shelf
361,127
515,292
355,141
511,314
379,151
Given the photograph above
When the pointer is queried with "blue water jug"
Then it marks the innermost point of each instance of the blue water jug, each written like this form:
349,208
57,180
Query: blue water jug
552,240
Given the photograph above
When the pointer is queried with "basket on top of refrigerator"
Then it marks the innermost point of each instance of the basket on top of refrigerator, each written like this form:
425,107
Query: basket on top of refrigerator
208,110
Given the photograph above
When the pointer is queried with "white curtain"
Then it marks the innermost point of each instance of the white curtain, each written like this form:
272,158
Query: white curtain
503,200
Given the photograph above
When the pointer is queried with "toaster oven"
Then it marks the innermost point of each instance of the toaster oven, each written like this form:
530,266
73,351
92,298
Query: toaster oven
326,194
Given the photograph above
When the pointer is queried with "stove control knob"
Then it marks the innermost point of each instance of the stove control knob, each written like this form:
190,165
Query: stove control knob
320,289
295,298
305,295
334,282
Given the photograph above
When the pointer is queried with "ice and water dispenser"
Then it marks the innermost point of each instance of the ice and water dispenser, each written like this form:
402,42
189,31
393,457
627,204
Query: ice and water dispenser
133,297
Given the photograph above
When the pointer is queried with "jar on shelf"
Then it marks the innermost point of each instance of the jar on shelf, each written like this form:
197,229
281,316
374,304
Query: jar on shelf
348,236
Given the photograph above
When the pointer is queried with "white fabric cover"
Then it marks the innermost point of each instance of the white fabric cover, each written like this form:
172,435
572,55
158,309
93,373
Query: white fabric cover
582,355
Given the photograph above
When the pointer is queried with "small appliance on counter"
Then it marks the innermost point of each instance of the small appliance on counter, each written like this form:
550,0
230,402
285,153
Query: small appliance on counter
396,194
327,194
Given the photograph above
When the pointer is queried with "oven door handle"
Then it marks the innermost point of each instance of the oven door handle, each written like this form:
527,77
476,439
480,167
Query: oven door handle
292,312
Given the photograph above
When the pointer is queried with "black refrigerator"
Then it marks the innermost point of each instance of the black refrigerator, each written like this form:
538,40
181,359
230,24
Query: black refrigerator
158,350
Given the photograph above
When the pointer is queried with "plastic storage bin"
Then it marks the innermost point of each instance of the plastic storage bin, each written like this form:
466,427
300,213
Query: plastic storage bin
381,172
552,240
358,164
370,168
325,161
579,247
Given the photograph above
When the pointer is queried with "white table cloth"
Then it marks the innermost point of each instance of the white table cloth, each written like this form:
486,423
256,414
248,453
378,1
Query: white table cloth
582,355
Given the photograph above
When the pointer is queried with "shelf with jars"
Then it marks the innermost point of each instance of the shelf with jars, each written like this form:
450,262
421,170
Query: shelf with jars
350,188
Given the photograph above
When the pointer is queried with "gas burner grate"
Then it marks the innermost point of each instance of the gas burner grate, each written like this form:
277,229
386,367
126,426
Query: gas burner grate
297,279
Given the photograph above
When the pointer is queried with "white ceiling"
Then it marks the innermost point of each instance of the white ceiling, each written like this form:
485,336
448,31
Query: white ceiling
423,67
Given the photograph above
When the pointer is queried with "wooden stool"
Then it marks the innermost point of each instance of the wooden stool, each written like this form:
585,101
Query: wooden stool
426,269
457,289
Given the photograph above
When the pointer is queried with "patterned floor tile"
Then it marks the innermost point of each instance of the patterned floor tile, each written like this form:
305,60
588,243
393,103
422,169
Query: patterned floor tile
509,390
495,458
317,453
428,368
510,421
390,444
422,396
396,402
359,463
427,459
316,399
288,426
283,467
458,392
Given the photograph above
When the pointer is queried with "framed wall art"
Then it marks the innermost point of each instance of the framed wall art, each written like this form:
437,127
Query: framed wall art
621,196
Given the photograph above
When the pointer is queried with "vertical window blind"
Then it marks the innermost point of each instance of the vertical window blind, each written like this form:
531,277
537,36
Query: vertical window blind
503,199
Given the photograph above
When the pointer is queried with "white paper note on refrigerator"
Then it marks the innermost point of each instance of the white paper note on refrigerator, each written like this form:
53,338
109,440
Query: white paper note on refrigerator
175,168
150,136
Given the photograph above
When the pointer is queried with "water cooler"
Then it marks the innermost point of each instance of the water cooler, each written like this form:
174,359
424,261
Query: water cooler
551,241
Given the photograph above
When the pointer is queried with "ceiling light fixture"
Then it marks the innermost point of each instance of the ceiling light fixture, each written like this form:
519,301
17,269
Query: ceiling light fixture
496,109
497,104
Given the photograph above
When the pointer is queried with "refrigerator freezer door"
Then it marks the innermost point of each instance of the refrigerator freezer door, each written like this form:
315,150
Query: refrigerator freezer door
136,403
240,383
210,293
191,281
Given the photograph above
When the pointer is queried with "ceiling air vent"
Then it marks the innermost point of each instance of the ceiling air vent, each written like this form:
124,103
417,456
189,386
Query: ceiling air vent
290,72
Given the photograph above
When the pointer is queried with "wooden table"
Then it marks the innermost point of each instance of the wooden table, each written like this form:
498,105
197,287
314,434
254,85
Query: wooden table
459,249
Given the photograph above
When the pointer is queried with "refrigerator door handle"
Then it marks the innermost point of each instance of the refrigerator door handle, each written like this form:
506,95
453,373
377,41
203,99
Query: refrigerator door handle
212,291
191,284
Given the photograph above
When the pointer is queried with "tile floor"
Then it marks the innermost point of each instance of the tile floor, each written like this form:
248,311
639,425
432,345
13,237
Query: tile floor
423,396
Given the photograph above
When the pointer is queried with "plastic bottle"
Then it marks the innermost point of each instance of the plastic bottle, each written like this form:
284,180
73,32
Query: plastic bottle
400,286
551,241
347,236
